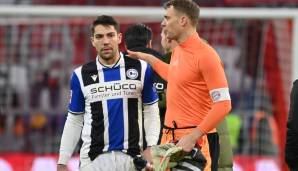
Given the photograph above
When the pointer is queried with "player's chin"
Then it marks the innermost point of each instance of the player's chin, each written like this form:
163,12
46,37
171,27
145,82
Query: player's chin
106,55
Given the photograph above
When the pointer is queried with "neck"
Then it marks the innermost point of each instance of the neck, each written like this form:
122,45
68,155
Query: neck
110,61
186,34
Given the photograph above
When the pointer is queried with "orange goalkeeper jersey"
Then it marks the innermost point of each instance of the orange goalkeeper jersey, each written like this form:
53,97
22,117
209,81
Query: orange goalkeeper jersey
195,78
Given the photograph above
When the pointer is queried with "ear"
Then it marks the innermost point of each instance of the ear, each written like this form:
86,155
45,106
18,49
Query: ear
92,41
119,38
184,20
149,45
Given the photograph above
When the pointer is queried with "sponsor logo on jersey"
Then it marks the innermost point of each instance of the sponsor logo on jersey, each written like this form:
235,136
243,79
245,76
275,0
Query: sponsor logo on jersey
112,90
113,87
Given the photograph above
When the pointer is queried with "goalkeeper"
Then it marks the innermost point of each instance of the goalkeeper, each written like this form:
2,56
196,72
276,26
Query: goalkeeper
225,156
197,92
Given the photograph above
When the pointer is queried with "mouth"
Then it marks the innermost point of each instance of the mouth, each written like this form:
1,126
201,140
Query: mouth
107,50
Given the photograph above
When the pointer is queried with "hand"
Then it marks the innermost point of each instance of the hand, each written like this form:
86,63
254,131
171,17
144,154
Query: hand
147,155
189,141
137,55
143,56
62,167
149,167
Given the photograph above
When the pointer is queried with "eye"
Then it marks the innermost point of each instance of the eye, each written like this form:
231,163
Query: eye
98,36
110,35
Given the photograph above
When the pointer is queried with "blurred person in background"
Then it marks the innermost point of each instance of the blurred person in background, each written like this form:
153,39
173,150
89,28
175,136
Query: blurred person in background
138,37
225,160
198,96
292,130
109,97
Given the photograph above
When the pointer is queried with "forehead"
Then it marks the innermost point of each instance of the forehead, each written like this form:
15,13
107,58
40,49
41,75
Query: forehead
104,29
170,11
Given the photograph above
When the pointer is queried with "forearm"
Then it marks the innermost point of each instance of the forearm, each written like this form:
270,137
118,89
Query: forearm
161,68
217,113
70,137
151,123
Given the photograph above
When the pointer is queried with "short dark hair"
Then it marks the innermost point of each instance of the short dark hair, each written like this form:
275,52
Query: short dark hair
137,35
187,7
105,20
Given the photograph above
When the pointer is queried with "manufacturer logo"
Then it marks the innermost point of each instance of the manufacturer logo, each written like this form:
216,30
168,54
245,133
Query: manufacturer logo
132,73
94,77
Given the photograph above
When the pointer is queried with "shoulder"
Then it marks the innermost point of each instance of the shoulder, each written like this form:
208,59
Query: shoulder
205,52
86,69
133,62
89,67
205,48
295,83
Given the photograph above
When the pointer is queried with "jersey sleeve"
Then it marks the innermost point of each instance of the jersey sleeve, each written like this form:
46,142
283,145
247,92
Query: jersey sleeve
214,75
77,100
149,94
213,71
161,68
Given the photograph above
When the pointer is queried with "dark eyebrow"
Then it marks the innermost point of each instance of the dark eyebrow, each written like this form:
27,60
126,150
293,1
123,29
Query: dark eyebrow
99,34
111,33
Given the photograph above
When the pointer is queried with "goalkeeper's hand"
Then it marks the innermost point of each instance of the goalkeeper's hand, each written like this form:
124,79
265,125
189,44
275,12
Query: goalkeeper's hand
188,142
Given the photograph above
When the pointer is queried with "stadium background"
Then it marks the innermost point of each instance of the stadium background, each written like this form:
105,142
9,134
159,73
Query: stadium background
37,56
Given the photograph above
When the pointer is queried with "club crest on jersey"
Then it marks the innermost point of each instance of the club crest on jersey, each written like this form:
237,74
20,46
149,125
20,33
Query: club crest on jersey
132,73
215,95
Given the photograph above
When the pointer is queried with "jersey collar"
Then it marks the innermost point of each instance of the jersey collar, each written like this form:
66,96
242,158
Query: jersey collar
100,66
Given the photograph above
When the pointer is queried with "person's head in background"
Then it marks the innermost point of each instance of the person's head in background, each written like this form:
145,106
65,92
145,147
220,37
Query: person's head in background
180,19
106,38
138,35
167,44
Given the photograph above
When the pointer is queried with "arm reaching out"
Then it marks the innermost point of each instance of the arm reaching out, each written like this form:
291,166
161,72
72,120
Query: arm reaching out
143,56
159,66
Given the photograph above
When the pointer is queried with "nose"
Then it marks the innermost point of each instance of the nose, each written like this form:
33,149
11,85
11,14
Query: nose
163,23
106,40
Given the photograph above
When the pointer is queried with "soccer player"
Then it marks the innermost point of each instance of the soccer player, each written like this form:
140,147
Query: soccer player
223,157
197,93
138,37
109,97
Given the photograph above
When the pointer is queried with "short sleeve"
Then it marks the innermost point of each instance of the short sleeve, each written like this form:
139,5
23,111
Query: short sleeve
149,93
77,100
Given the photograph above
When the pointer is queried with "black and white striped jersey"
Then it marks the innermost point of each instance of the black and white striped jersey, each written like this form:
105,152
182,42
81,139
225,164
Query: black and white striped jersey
111,99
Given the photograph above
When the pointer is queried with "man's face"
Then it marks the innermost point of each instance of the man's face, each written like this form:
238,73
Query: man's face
106,41
171,24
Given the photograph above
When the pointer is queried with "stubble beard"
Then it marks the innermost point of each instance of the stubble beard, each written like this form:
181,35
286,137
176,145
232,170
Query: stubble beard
171,35
107,56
